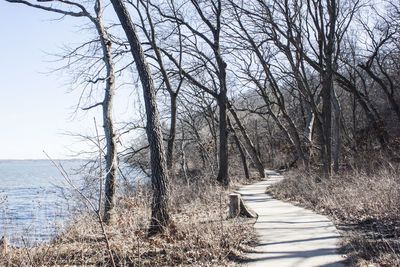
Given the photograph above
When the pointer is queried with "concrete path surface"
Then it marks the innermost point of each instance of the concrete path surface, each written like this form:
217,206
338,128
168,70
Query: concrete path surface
289,235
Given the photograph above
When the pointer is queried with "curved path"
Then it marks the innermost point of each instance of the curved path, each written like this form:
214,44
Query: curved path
289,235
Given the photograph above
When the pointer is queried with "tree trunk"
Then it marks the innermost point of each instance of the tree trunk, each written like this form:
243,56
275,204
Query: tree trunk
257,138
326,125
327,86
209,116
160,204
336,132
151,37
223,177
241,150
183,157
250,147
172,132
308,129
295,137
111,144
308,132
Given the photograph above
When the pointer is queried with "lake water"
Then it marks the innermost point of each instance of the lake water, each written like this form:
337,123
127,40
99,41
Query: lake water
30,201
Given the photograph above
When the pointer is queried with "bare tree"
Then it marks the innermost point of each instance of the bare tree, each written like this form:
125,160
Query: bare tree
309,34
209,15
379,64
264,55
149,29
160,181
109,90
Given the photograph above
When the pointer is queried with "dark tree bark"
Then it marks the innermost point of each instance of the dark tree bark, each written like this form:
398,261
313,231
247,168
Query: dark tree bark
160,204
173,94
223,141
172,132
336,132
326,48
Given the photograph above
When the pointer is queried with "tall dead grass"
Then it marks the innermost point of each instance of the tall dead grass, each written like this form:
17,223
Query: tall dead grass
200,235
364,206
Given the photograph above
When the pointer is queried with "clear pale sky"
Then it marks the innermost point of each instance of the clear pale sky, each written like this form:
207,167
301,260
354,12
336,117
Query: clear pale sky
35,109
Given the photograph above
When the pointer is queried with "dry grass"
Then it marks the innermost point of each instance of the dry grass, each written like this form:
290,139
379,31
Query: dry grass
365,208
200,235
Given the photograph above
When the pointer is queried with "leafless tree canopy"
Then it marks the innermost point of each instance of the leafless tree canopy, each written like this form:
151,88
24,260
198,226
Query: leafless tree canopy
306,83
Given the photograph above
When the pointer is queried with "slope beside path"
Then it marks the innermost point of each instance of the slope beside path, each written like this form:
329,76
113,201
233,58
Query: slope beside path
289,235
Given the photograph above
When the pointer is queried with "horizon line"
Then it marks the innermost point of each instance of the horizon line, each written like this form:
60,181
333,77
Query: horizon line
18,159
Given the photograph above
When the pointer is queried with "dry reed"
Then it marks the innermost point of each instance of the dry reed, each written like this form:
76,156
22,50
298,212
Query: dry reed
200,234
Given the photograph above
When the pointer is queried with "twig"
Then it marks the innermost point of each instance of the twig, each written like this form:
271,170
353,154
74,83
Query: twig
94,209
100,165
220,211
27,251
138,249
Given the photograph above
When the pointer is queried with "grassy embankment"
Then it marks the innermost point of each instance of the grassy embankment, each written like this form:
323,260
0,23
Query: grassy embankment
200,235
364,205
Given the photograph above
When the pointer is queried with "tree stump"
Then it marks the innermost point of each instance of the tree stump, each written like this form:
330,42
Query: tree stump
234,205
238,208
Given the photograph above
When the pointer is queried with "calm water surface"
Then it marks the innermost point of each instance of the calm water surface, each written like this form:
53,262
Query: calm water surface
31,203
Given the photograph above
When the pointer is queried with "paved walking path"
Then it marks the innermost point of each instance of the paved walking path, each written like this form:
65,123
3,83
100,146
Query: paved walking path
289,235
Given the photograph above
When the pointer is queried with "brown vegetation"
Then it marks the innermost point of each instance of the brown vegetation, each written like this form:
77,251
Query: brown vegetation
200,234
